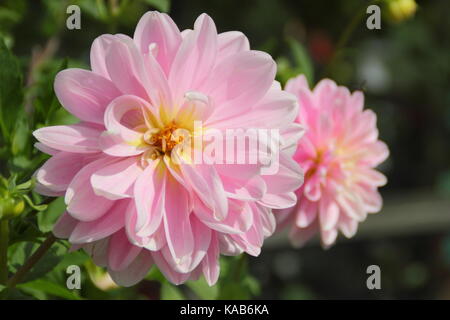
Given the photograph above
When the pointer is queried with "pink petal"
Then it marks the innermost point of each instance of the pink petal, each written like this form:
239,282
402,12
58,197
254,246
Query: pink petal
210,264
77,138
45,149
276,109
103,227
99,48
180,239
352,205
135,272
121,111
290,136
121,252
296,84
82,203
64,226
307,213
126,67
238,82
228,246
328,213
279,201
150,194
299,236
114,145
288,178
328,237
231,42
98,250
84,93
173,276
195,58
208,186
202,239
268,220
58,171
155,242
45,191
158,85
252,189
348,226
159,29
371,177
116,181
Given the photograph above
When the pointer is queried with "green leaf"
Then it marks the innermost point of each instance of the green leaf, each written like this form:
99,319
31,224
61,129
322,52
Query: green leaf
233,291
235,283
161,5
21,136
96,9
302,60
11,93
47,218
26,185
49,287
38,294
62,116
202,289
37,207
170,292
73,258
20,252
253,285
155,275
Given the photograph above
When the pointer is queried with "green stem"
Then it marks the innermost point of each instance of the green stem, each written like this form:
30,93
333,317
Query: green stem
29,264
4,238
348,31
241,265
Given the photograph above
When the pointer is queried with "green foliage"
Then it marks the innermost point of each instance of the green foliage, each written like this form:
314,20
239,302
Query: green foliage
202,289
236,283
161,5
170,292
20,252
301,63
11,92
47,218
39,286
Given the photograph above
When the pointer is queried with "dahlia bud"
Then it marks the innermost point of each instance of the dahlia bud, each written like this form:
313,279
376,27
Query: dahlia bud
400,10
11,206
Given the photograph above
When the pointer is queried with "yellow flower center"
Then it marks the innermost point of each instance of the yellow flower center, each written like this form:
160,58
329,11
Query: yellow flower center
164,140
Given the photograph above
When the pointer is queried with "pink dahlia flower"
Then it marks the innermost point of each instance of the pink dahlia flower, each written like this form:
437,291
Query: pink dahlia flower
130,202
338,154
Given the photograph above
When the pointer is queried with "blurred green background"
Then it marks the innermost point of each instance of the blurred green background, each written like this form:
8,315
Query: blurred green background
404,71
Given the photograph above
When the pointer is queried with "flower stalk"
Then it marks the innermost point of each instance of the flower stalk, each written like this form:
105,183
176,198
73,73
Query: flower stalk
29,264
4,239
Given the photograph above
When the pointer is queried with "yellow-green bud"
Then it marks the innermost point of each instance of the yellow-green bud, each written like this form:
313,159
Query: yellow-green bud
11,207
400,10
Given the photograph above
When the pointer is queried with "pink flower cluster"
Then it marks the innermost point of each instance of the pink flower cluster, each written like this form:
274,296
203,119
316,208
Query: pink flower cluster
129,204
338,154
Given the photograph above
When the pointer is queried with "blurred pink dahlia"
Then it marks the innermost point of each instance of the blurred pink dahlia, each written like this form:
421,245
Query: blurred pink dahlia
129,203
338,154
